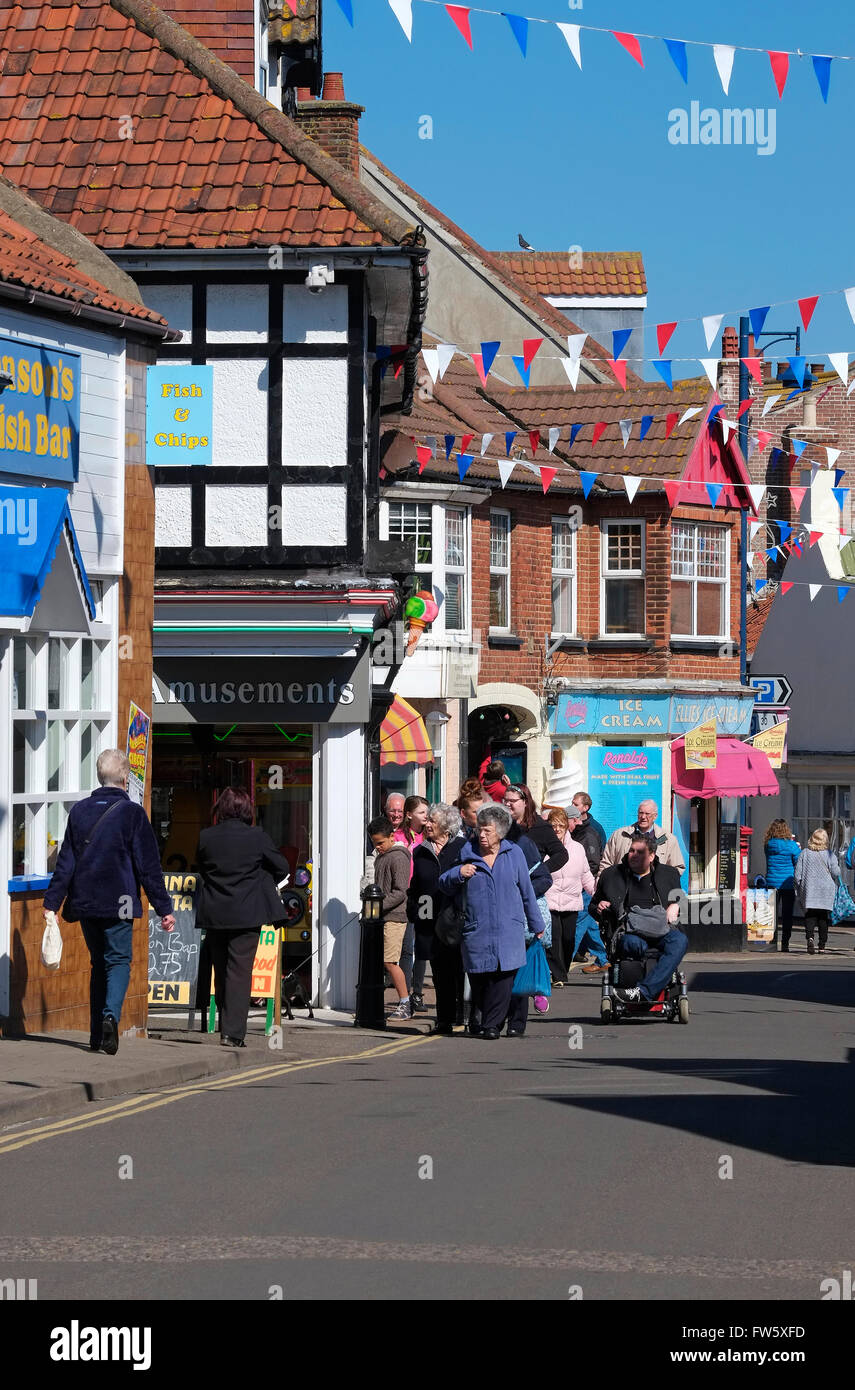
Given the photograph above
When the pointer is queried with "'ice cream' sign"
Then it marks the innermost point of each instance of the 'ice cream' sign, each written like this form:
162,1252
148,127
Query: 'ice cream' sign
179,415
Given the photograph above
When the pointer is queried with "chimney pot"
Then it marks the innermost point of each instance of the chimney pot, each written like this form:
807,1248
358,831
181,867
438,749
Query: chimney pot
333,87
304,94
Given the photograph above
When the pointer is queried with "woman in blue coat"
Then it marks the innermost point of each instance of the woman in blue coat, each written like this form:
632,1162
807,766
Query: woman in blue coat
499,904
782,851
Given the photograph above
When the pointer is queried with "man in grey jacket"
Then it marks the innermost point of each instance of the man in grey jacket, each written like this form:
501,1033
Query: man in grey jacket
667,849
392,873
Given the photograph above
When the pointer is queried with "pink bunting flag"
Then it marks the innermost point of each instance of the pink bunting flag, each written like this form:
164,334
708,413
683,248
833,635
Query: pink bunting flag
631,44
534,440
671,423
787,586
754,365
672,488
530,347
478,359
815,536
424,455
663,335
797,494
806,308
763,437
743,406
465,442
546,476
780,67
619,369
460,15
598,431
292,5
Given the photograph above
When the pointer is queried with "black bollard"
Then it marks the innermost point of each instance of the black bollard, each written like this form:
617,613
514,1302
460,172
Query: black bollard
370,994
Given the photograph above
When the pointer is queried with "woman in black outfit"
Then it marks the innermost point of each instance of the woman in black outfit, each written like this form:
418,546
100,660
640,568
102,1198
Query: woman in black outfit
239,867
531,832
439,850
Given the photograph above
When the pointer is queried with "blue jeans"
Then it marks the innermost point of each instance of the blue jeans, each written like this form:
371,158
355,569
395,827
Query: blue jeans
588,929
110,944
673,946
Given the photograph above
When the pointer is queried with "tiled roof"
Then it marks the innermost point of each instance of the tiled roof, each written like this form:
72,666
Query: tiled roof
755,622
29,262
551,318
459,404
602,272
114,118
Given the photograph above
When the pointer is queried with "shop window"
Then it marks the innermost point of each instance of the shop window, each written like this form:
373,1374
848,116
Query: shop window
823,806
563,577
623,560
699,575
500,571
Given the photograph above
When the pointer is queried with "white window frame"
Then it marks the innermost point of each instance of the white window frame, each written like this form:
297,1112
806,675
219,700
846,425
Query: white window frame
436,570
502,570
723,584
557,573
607,574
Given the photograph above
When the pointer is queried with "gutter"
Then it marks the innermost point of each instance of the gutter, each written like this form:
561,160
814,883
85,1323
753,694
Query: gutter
112,318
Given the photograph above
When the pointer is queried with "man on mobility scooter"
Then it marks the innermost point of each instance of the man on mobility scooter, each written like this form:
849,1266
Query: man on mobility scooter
638,901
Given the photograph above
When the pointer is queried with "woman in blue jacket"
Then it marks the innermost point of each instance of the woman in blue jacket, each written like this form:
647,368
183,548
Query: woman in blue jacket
782,851
499,902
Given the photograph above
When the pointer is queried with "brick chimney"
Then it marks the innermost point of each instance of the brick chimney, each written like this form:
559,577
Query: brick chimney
332,121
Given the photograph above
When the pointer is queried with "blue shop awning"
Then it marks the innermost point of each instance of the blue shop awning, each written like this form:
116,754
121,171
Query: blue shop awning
40,563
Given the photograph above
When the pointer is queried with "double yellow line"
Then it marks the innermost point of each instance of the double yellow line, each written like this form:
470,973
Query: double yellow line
137,1105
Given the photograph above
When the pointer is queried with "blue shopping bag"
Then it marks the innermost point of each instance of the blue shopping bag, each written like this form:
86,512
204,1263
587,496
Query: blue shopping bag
844,908
533,977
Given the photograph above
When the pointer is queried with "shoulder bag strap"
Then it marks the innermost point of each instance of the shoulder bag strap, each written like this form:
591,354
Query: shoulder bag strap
90,837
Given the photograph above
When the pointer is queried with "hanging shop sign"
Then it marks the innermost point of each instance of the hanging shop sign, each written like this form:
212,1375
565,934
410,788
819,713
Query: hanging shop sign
620,778
260,690
139,739
39,411
773,742
700,746
579,712
179,415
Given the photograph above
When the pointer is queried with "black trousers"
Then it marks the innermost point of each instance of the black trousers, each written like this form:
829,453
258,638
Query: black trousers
786,898
447,967
491,995
817,917
518,1012
232,954
560,953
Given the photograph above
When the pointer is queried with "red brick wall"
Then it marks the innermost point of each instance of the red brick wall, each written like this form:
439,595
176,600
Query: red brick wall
531,595
224,26
335,127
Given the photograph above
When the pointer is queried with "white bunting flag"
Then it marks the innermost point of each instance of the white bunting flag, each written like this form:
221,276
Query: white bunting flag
814,590
727,427
814,469
431,357
850,302
431,443
840,363
712,323
755,527
723,54
632,485
445,351
687,414
532,467
571,34
757,492
625,431
575,344
833,455
506,468
403,12
571,366
851,387
752,447
710,366
554,432
485,443
843,542
769,403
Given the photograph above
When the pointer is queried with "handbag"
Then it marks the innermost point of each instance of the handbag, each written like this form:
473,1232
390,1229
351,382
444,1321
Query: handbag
533,977
51,952
451,920
844,907
651,923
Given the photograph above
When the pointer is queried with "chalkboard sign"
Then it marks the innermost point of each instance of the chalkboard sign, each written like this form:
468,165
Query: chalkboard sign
173,957
728,857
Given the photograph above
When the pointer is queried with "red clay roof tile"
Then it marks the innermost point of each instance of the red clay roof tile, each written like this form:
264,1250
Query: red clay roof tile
615,273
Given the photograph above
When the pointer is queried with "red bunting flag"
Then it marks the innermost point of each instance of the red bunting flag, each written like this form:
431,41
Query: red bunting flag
460,15
780,67
619,369
292,6
815,536
806,308
672,487
424,455
632,46
763,437
478,359
598,431
785,588
798,496
534,440
530,347
465,442
546,476
663,335
754,365
671,423
743,406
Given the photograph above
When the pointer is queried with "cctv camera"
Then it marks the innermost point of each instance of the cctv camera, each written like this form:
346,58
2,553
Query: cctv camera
318,277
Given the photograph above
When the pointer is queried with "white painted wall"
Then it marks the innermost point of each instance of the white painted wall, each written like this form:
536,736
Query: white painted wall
175,303
314,515
236,516
237,314
314,318
340,860
314,412
240,412
172,516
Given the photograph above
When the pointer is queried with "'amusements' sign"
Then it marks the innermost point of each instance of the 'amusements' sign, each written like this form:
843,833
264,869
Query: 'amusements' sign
173,957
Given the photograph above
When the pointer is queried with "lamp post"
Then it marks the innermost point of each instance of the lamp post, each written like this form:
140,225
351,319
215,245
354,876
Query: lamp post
370,1010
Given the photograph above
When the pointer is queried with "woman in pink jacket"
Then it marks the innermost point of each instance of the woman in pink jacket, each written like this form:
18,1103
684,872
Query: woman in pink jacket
564,898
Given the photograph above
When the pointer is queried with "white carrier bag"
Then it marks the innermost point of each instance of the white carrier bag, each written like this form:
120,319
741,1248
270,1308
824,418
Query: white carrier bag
51,942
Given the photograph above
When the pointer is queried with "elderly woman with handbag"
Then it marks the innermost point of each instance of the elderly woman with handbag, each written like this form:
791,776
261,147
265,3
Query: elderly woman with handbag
431,911
816,877
499,904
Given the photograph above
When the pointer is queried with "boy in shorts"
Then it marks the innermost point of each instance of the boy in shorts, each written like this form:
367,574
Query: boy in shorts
392,876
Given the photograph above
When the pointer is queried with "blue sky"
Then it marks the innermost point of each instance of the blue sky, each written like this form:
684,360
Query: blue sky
571,157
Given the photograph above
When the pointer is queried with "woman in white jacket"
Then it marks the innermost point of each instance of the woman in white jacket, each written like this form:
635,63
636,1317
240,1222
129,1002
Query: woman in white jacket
564,897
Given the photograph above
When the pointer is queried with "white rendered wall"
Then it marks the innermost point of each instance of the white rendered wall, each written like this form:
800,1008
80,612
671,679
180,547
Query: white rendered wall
340,860
172,518
236,515
174,302
314,515
314,318
237,314
240,412
314,412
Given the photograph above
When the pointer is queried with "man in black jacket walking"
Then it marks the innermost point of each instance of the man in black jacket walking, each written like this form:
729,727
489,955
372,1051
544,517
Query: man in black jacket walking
108,851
